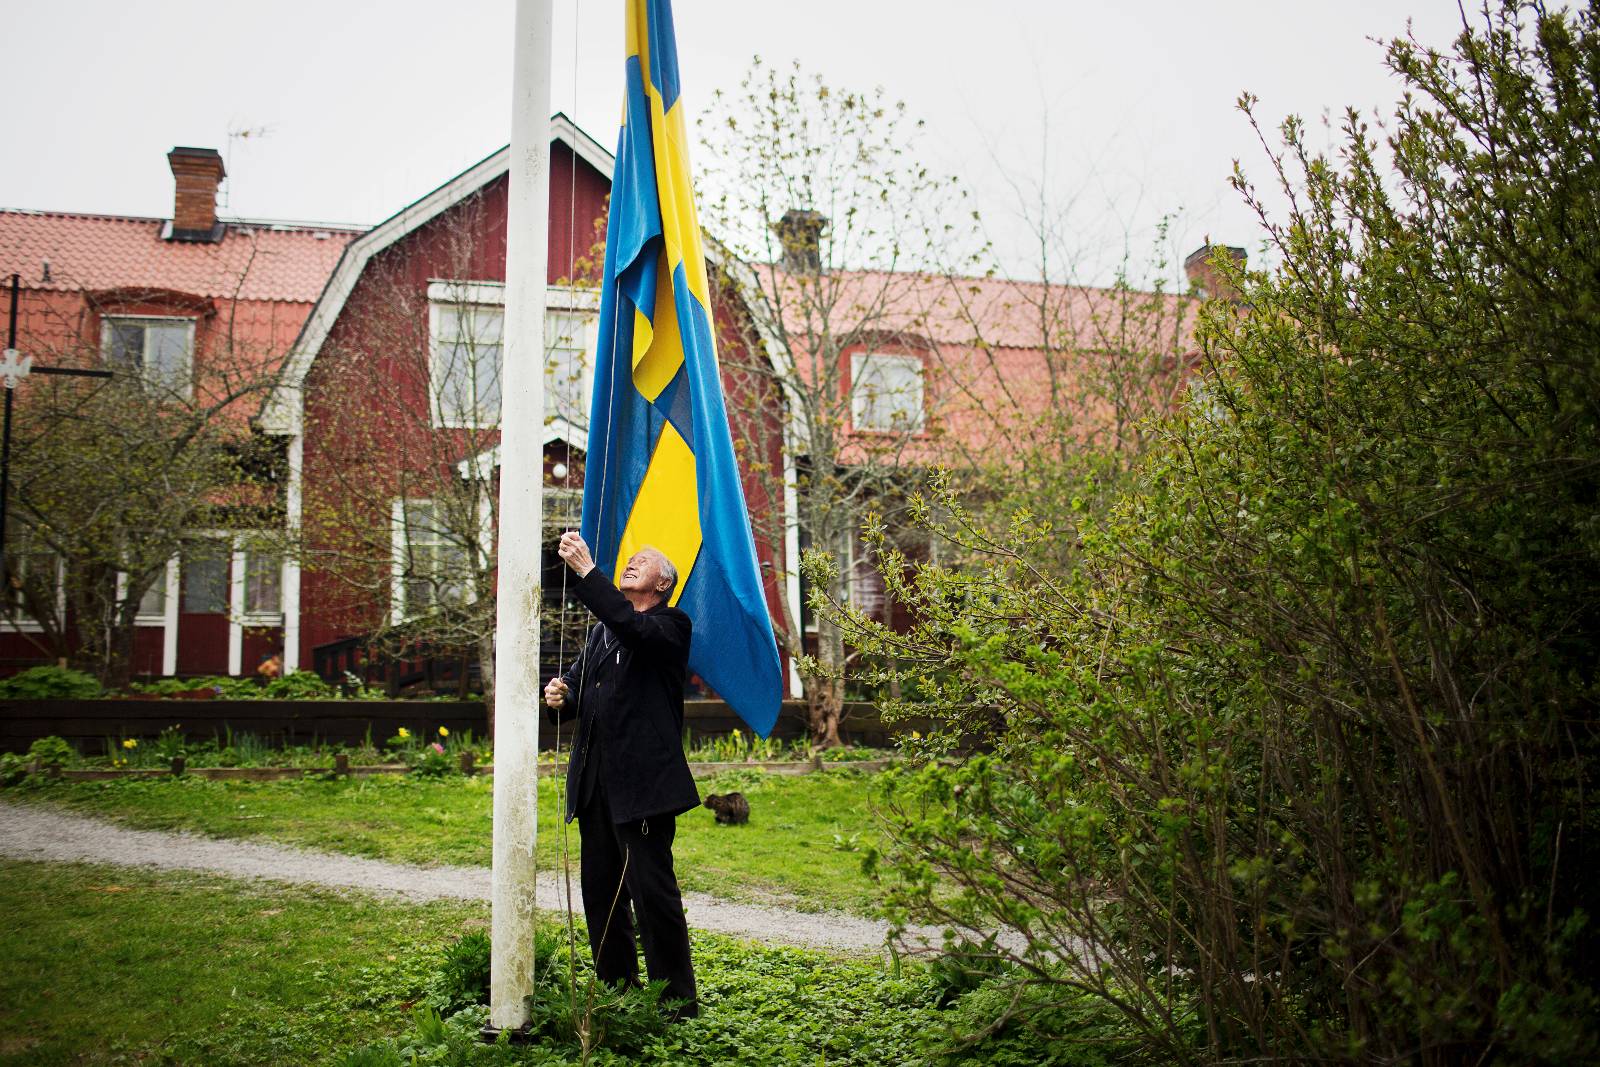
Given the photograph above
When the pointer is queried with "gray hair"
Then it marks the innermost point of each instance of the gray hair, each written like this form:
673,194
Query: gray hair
668,570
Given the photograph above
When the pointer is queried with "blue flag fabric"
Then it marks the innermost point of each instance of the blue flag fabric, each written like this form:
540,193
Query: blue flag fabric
660,469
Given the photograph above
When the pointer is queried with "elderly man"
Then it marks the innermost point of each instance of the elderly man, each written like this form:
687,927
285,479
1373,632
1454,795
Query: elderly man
627,779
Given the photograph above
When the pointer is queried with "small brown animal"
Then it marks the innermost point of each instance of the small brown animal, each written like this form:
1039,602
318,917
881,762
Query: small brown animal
731,808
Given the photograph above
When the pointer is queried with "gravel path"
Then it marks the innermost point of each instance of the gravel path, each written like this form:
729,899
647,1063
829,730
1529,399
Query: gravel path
35,832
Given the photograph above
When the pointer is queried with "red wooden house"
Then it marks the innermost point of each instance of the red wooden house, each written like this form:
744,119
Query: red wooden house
375,402
183,298
359,323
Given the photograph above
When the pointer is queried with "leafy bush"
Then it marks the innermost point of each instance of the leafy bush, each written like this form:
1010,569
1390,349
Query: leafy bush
297,685
431,761
51,753
1018,1024
300,685
13,768
1294,761
49,683
760,1005
463,978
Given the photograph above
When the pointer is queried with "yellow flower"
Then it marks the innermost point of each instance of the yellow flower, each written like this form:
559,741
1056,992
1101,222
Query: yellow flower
404,733
444,732
131,742
915,736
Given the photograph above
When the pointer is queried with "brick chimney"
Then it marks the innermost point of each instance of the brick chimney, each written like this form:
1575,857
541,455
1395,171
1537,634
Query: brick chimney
196,173
801,234
1202,273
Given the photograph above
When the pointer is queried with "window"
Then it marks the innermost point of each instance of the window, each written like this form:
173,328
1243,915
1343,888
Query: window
431,562
885,391
467,324
864,585
465,364
563,510
153,603
33,577
263,582
568,370
205,579
161,349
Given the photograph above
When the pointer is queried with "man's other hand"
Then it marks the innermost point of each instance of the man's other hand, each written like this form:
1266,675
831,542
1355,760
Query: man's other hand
555,694
576,553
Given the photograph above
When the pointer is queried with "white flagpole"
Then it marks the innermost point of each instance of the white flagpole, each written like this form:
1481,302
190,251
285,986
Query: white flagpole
520,539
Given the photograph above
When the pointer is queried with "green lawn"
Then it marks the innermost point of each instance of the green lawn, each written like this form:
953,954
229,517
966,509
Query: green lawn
802,846
123,966
116,965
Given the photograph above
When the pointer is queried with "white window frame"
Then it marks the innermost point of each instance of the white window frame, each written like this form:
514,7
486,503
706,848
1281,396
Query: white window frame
586,335
457,420
224,551
244,551
168,583
862,401
399,609
566,301
184,386
22,622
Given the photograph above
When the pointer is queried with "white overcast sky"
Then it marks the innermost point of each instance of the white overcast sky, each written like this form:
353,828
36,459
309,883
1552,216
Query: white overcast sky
369,105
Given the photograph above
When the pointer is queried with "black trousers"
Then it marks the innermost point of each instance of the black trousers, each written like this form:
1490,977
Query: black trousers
637,858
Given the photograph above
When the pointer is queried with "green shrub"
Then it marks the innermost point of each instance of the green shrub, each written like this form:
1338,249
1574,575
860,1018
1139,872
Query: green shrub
50,683
51,753
13,768
1300,740
463,978
299,685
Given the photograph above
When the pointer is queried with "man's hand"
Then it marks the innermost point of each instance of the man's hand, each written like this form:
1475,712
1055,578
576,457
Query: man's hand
555,694
576,553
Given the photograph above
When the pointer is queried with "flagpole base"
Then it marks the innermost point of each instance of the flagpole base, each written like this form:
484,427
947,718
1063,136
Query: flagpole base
520,1035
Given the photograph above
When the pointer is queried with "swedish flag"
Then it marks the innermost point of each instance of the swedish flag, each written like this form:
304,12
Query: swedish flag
660,468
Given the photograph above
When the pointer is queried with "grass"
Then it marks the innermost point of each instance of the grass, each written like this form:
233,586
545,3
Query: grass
122,966
802,847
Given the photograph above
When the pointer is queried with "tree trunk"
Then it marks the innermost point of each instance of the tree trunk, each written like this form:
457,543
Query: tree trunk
105,631
825,694
486,673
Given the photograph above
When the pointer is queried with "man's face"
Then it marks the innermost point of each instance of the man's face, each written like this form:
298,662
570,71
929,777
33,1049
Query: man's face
642,573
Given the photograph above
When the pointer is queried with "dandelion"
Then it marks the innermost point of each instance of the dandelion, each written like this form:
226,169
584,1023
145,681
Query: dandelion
404,734
444,731
131,742
916,736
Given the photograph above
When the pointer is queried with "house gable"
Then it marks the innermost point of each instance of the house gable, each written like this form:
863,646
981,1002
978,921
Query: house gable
283,411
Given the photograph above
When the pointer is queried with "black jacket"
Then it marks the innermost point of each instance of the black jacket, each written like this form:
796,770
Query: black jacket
629,703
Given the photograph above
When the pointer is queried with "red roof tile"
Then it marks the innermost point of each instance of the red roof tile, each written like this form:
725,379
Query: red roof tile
1006,360
253,261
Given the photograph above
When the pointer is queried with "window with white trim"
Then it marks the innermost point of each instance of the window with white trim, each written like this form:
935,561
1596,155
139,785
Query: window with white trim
464,355
431,562
263,582
159,347
466,327
205,577
568,367
34,575
152,609
863,584
885,391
